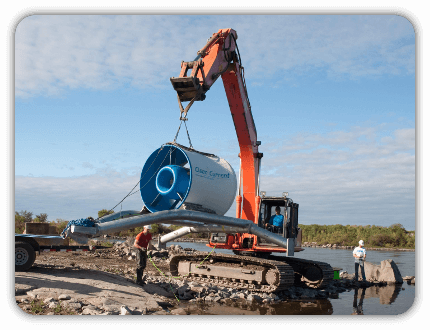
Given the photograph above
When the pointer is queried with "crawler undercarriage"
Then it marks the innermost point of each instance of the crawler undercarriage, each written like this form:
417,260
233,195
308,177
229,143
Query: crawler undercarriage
254,274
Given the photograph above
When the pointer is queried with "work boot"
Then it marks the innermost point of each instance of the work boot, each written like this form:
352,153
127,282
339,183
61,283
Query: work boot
139,275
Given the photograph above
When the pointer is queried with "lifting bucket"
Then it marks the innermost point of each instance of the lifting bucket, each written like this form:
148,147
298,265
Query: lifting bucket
175,175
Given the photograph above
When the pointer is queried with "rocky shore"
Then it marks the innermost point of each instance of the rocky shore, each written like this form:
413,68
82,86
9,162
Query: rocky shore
336,246
108,290
304,244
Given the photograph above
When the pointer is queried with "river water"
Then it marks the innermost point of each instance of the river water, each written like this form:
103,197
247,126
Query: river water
389,300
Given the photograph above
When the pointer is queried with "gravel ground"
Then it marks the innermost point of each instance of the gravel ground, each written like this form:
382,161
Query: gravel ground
102,282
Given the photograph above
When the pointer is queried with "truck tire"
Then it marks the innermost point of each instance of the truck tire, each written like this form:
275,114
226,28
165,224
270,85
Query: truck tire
24,256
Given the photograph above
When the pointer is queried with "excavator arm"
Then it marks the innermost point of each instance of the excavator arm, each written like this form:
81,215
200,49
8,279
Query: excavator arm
220,57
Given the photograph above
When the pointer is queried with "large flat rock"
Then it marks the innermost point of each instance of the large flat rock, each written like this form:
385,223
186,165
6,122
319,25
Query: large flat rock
95,287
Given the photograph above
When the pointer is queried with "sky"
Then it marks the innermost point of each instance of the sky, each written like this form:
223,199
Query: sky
333,100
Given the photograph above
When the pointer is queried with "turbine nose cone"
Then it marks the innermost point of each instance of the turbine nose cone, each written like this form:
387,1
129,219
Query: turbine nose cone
174,175
172,181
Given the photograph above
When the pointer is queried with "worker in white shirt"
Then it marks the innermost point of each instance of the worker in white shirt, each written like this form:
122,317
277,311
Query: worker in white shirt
359,255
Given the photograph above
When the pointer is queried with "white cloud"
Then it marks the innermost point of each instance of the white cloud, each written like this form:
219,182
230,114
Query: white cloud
336,178
54,53
370,181
75,197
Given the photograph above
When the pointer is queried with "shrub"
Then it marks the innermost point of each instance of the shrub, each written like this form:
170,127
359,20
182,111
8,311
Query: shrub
381,240
104,212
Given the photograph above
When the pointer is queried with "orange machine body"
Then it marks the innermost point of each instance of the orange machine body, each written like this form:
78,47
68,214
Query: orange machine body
219,58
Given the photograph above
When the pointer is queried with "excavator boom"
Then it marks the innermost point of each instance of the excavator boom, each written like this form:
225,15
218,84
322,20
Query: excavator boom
219,58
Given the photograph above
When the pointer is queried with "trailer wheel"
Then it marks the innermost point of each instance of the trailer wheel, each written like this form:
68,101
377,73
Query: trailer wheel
24,256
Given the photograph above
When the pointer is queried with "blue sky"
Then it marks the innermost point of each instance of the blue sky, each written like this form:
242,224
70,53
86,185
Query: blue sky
333,99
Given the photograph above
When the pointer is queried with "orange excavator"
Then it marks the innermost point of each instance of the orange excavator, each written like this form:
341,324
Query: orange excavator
220,57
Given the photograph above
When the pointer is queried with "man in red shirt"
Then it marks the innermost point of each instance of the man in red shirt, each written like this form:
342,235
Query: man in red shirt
141,243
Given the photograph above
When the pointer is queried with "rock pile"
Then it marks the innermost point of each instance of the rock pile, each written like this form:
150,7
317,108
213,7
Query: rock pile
126,249
73,306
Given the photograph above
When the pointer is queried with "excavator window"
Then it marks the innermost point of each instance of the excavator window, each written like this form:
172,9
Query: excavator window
267,210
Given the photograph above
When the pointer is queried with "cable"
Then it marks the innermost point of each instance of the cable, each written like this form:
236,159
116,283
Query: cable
189,139
131,191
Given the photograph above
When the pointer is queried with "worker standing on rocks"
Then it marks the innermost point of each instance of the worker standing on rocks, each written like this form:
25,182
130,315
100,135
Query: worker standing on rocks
142,243
359,255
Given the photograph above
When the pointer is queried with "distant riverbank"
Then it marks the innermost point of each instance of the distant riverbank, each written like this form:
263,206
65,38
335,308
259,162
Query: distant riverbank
307,244
304,244
346,247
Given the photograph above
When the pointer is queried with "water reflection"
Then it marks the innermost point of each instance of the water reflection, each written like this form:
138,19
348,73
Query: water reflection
314,307
358,309
386,294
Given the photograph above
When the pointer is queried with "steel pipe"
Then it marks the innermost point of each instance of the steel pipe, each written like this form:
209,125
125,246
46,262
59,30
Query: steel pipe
200,229
177,217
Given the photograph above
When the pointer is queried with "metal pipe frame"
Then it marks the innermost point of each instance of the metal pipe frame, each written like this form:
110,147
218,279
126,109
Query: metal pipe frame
200,229
178,217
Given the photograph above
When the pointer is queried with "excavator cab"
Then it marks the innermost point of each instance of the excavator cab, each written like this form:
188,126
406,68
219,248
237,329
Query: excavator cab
289,210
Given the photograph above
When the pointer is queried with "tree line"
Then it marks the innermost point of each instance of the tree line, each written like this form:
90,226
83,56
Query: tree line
394,236
22,217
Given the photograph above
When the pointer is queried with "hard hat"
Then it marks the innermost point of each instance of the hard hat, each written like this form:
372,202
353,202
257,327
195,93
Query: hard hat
361,242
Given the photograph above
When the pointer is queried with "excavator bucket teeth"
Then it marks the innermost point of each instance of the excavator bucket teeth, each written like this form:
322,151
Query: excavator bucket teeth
187,88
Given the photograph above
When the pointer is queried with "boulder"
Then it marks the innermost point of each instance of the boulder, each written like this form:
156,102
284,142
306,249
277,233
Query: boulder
111,309
52,304
273,296
64,297
178,311
386,272
197,289
125,310
408,279
48,300
253,297
309,294
182,289
75,305
157,289
90,310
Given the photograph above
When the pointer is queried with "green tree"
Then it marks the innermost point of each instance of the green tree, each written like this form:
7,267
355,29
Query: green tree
42,217
60,224
19,223
28,216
